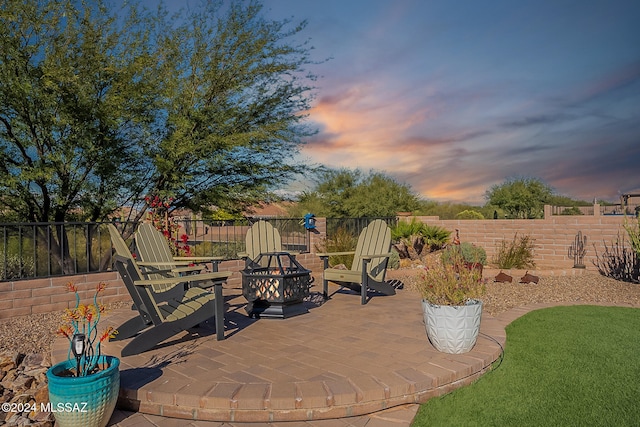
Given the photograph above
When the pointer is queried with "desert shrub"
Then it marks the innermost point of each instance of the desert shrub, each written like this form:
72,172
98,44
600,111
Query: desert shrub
406,229
618,261
435,236
469,214
414,238
394,260
517,253
12,267
470,253
633,231
573,210
340,241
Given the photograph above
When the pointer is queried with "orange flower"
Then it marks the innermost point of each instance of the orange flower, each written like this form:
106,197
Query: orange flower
64,331
110,332
72,287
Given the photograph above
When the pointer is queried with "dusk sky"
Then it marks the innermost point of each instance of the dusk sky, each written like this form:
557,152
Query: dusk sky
453,97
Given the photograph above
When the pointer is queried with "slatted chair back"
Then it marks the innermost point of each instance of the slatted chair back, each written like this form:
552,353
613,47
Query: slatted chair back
261,238
152,247
122,251
130,273
118,243
374,239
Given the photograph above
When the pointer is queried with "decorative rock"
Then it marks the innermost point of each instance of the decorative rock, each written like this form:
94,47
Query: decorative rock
503,278
9,361
529,278
23,380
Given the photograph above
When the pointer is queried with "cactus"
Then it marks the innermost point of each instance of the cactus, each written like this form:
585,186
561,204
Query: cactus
578,250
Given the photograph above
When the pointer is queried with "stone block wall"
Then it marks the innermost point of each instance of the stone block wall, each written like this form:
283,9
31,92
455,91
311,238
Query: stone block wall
553,235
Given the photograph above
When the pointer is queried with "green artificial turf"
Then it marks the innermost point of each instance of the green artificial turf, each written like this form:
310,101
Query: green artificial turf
562,366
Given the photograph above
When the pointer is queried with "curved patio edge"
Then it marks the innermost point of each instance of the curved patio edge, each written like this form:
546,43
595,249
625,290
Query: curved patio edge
341,359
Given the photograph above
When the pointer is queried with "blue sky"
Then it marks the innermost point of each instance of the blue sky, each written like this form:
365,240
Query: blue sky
453,97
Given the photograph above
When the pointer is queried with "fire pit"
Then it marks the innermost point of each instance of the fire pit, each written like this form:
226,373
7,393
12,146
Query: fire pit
275,285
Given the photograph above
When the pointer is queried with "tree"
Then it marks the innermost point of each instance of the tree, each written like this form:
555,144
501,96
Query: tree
99,110
234,107
520,197
345,193
67,103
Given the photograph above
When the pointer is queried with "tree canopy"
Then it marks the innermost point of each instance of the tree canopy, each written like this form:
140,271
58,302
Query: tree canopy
520,197
100,107
344,193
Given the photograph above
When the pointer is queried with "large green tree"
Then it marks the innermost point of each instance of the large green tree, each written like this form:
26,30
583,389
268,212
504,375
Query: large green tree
99,107
520,197
344,193
234,107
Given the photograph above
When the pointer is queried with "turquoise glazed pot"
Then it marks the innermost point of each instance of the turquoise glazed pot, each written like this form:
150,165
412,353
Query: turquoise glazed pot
84,401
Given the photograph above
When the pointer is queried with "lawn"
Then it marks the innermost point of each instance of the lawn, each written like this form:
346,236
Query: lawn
562,366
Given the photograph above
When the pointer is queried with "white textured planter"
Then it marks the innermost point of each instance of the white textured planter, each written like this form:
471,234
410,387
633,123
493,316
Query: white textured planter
453,329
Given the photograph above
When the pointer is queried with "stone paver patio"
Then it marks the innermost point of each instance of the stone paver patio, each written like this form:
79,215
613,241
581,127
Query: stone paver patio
340,364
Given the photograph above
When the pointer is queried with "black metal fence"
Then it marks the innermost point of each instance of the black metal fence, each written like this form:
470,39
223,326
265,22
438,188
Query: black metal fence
353,226
32,250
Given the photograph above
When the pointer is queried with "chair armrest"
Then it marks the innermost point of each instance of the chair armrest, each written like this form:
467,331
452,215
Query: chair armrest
198,258
188,269
219,276
328,254
385,255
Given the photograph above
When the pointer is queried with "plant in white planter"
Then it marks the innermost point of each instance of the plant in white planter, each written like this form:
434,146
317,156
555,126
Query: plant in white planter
452,308
83,390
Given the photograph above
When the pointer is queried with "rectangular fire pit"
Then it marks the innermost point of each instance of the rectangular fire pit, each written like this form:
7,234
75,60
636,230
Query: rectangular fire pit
275,285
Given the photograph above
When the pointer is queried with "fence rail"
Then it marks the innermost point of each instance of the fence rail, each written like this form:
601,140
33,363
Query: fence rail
353,225
631,210
33,250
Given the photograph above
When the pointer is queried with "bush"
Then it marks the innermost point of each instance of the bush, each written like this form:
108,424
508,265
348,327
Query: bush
571,211
470,253
394,260
633,230
341,241
469,214
406,229
434,236
414,238
518,253
449,283
619,262
16,268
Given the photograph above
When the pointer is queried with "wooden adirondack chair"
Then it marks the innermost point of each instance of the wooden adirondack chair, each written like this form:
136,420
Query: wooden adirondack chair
159,321
261,238
122,249
369,263
155,255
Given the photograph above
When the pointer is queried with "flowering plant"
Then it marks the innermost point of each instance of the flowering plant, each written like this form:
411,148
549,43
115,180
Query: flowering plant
160,217
450,283
81,323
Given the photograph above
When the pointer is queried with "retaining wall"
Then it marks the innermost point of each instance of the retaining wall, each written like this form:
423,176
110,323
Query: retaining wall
553,235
